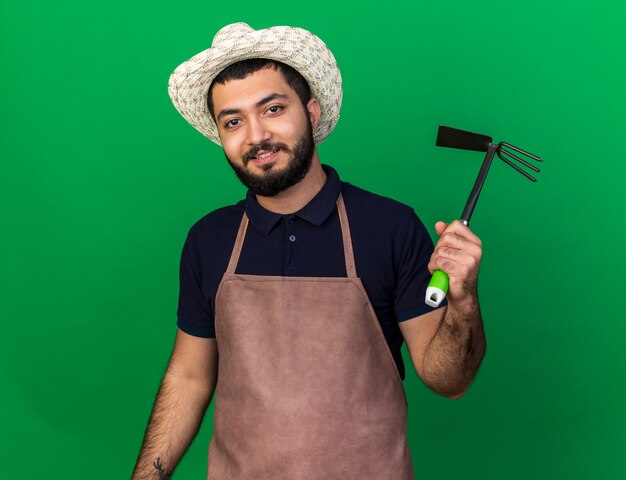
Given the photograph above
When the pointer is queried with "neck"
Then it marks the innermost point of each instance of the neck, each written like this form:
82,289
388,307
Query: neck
296,197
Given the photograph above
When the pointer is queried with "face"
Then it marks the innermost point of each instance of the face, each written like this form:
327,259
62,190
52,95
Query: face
266,132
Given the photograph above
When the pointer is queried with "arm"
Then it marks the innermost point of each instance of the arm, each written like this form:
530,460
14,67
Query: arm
447,345
184,394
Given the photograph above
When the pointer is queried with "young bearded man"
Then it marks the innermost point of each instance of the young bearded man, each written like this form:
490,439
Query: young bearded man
294,303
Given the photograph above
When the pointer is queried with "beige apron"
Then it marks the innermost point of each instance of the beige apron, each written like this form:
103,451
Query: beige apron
307,386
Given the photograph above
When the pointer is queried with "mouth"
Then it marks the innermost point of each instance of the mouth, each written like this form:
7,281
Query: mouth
264,156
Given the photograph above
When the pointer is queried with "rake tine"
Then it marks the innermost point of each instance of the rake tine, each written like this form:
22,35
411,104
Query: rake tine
523,152
523,162
527,175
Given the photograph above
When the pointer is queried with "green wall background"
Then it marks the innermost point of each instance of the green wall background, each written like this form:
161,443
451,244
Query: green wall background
100,179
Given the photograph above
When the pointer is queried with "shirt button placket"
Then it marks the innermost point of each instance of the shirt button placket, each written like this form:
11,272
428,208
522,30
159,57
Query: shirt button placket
291,266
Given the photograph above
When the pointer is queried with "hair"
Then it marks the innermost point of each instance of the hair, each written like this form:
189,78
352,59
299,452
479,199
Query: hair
243,68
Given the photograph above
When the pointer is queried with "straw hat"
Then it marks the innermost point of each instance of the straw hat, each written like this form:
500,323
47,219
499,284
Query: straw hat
189,84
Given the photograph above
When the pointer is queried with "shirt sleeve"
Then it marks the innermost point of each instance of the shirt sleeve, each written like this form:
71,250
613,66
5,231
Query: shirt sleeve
195,315
415,248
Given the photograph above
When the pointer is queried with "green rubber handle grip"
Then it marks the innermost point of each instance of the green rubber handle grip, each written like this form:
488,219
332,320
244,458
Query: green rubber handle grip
437,288
440,280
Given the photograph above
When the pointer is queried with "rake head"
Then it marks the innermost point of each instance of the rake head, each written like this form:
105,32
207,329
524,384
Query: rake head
464,140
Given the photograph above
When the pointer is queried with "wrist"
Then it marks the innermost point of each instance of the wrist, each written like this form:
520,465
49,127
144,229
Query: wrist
465,308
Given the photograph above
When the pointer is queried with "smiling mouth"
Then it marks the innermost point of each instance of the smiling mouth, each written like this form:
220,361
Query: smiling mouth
264,156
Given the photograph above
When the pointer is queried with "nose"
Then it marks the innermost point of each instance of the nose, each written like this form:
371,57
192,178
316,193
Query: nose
257,132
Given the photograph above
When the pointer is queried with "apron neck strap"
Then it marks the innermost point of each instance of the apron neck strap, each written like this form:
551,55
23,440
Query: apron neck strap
348,253
347,239
241,235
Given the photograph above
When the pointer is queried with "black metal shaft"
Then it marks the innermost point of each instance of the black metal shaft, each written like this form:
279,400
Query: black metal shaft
478,184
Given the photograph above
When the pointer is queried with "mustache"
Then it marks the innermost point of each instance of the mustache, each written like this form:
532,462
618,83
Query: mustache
263,146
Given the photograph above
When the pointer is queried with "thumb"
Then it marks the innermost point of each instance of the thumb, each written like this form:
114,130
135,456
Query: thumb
440,227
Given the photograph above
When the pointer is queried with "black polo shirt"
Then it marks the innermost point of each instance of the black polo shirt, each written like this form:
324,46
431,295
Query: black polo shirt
392,249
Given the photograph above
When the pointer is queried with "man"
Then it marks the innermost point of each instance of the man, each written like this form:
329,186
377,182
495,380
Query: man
306,290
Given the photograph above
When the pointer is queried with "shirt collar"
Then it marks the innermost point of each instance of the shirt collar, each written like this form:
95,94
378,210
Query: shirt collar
315,212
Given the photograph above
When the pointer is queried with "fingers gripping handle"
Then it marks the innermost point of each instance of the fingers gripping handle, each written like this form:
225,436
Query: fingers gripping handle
437,288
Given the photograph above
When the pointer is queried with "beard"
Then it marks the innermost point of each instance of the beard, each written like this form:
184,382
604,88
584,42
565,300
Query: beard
271,182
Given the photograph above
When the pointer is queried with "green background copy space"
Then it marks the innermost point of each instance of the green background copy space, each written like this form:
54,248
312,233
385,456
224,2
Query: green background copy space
100,179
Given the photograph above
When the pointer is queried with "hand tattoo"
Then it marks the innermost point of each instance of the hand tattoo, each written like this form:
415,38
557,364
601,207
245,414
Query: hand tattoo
163,475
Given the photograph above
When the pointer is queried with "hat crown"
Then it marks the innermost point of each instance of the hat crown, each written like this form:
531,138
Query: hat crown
231,32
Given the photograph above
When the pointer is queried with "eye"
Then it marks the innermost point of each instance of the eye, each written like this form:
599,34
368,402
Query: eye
275,109
232,123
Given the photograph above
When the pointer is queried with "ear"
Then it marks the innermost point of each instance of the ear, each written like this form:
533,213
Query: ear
314,111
